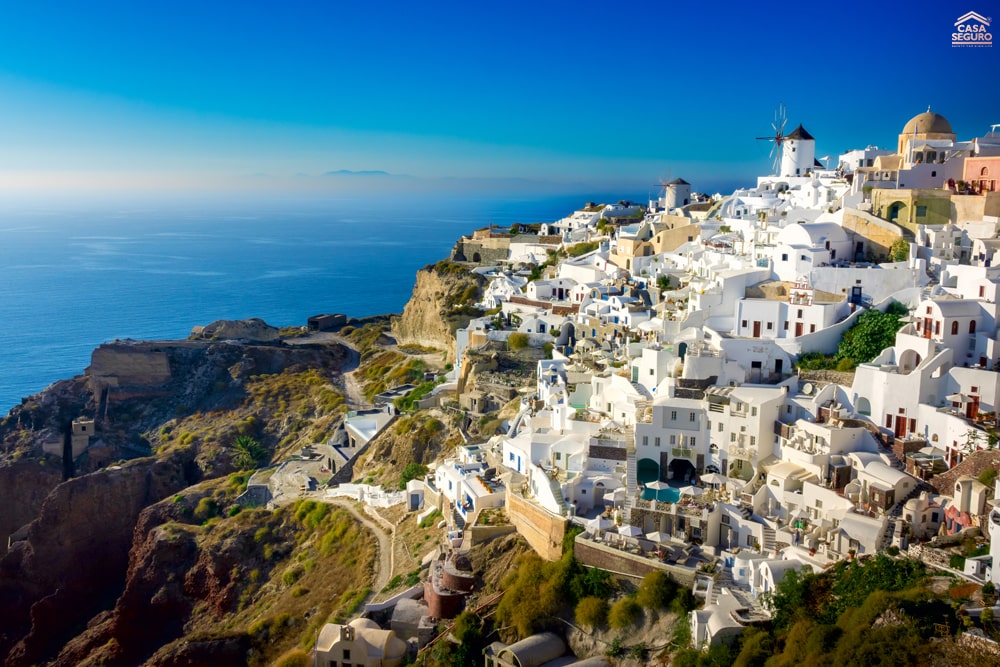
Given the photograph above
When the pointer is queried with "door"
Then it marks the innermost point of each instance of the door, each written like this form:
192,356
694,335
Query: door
756,329
928,326
798,329
900,430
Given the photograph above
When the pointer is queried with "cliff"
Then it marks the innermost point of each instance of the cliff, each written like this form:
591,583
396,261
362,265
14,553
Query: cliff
441,303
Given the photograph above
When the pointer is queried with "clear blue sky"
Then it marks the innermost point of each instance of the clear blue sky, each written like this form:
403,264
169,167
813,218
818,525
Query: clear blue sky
547,96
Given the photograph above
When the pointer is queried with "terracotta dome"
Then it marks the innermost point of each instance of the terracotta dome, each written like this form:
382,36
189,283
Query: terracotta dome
927,123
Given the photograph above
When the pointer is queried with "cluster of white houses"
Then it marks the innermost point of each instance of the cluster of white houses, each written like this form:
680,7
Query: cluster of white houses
671,401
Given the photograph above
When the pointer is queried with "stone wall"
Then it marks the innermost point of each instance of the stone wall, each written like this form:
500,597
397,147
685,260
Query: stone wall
878,235
542,530
483,534
129,366
615,560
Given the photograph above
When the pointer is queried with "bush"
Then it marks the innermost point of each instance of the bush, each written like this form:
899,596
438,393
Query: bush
207,508
294,658
624,613
656,590
592,612
517,341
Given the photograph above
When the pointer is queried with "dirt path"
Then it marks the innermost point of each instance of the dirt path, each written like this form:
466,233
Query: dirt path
346,381
385,556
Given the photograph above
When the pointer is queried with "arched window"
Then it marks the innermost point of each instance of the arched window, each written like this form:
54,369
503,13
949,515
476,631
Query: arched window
972,326
985,171
954,328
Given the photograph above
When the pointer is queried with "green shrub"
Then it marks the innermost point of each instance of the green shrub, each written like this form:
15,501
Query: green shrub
293,658
592,612
624,613
206,509
517,341
656,590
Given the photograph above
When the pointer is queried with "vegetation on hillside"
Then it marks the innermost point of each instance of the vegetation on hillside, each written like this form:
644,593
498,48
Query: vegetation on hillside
873,332
878,611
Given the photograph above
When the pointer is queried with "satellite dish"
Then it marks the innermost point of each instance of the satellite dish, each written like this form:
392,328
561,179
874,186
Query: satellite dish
807,389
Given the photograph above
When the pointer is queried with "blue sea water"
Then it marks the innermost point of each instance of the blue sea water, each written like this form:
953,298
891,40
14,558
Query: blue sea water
72,279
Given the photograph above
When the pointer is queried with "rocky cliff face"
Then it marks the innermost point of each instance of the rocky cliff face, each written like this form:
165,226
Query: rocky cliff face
438,306
73,561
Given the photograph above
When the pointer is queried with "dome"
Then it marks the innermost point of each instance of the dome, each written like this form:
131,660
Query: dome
927,123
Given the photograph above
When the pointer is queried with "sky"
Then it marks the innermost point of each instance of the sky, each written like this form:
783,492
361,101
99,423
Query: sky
514,97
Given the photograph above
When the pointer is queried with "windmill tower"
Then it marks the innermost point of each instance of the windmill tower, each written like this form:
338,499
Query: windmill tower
676,194
798,155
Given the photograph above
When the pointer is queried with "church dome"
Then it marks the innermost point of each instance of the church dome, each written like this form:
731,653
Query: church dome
927,123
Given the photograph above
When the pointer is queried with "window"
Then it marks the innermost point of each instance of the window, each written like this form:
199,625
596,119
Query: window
803,258
982,291
921,211
673,415
652,372
732,437
784,257
753,441
692,443
786,325
656,441
937,326
511,456
673,440
972,326
347,654
692,417
819,504
812,328
725,519
954,328
720,427
770,325
750,540
800,313
645,441
744,324
558,456
753,412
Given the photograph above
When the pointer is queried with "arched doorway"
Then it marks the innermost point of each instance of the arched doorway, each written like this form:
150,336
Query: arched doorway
647,470
680,470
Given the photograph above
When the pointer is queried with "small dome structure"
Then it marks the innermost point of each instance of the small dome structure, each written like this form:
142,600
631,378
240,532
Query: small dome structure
927,122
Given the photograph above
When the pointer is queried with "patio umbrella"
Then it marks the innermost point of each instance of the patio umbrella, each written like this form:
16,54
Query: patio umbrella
691,490
714,478
658,537
629,531
597,524
657,485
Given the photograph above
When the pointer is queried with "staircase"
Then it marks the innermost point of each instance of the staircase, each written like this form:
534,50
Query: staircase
458,518
768,544
724,580
564,509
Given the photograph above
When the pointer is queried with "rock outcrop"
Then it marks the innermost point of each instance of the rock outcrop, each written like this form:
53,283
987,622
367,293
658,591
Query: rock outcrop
74,559
253,330
440,304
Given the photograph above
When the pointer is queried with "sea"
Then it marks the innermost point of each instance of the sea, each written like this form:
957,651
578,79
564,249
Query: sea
72,278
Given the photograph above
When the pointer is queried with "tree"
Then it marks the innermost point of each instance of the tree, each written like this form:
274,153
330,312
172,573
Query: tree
663,282
249,453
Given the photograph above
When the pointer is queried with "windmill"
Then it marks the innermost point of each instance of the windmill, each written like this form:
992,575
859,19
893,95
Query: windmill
780,120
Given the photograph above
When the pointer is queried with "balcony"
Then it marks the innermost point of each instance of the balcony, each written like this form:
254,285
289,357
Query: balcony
682,452
744,453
